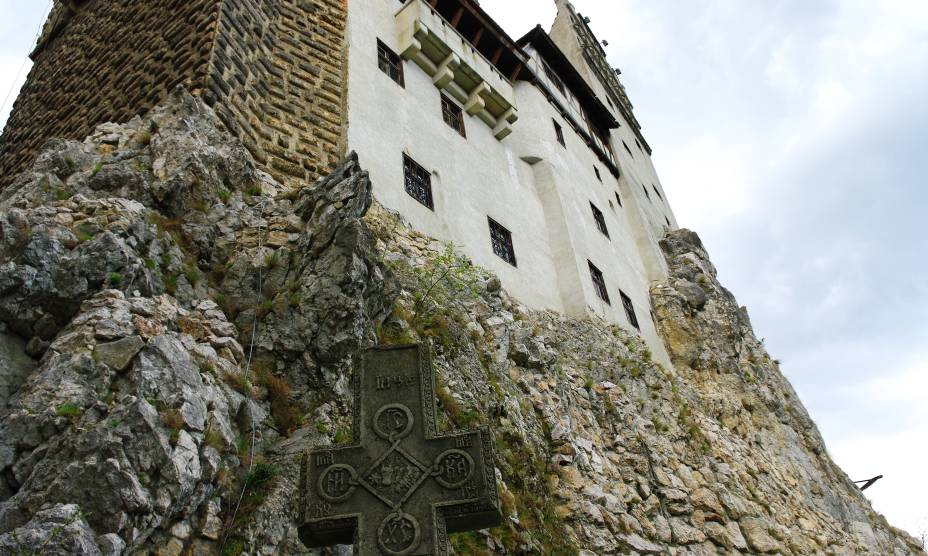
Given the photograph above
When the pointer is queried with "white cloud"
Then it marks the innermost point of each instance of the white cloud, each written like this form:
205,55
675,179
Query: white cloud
9,67
900,455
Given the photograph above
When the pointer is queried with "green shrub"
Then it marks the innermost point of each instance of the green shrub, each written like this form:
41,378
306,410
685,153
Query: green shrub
68,410
262,474
192,274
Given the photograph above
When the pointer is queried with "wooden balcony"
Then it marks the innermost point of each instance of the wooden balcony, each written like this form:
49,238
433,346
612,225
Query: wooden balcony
456,66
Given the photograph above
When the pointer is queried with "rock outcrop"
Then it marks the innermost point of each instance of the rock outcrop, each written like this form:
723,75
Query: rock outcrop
177,328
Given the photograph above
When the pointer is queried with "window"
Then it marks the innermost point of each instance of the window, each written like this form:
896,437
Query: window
628,150
390,63
554,79
600,220
502,242
646,194
667,220
659,196
559,133
418,182
598,176
599,284
637,143
452,115
629,310
618,199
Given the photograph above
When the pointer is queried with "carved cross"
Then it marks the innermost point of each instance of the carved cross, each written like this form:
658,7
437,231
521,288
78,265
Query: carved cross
401,487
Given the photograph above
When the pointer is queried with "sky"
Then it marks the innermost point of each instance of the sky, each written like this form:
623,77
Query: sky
793,137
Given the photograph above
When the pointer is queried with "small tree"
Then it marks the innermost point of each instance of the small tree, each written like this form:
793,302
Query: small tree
446,278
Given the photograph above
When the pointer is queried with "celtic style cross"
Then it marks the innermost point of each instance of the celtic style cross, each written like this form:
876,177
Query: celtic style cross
400,488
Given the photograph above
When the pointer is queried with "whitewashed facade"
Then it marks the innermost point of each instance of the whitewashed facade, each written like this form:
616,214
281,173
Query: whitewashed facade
510,166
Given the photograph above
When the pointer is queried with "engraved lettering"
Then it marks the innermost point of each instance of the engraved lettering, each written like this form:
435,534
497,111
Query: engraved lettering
464,441
453,468
468,491
398,533
324,459
320,509
385,382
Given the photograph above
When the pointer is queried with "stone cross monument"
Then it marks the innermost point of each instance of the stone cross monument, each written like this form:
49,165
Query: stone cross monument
401,487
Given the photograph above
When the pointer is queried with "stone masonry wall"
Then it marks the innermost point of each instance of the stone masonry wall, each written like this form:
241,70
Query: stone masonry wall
278,83
273,69
106,61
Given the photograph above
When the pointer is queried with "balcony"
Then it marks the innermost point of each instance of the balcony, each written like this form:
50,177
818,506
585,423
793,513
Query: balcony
456,67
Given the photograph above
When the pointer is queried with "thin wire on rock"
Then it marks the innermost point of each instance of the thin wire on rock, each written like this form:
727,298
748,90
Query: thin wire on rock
251,350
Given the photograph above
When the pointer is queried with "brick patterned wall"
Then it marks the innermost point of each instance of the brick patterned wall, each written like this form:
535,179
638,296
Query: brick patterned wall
278,82
274,70
110,60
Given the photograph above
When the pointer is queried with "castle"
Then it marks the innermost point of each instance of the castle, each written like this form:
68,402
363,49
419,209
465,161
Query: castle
525,153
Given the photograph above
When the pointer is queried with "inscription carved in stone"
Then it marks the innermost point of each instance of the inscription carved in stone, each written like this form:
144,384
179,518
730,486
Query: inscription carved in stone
401,488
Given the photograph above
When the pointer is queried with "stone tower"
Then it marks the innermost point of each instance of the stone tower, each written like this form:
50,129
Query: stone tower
273,70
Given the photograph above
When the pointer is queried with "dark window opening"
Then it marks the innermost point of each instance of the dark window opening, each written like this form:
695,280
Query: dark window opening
618,199
667,220
418,182
646,194
628,150
502,242
453,115
611,206
598,176
390,63
600,220
639,144
629,310
554,79
659,196
559,133
599,283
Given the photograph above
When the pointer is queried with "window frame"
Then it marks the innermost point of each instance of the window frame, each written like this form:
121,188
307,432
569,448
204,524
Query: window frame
387,59
599,283
450,110
424,186
559,133
629,307
554,78
501,242
600,220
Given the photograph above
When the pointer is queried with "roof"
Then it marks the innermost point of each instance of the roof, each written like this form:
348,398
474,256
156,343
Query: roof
572,79
472,22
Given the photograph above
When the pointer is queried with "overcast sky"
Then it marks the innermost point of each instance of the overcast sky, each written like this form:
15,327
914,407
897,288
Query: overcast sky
793,136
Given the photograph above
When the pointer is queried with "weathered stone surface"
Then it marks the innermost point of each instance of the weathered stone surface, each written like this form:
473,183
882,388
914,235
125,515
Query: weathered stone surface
118,354
295,133
60,529
600,450
755,531
15,366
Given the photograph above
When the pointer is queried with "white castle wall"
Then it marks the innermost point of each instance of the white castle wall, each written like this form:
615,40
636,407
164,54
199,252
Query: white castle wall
527,182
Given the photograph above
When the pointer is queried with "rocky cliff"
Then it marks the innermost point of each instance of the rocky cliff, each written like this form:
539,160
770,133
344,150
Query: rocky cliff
176,328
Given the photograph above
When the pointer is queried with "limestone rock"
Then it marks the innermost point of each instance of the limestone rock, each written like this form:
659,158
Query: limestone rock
184,309
118,354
